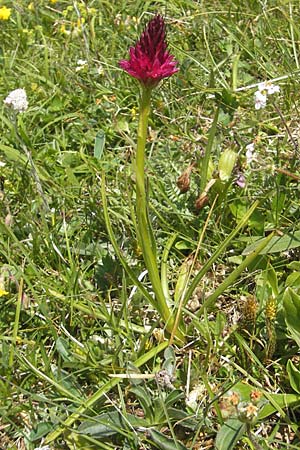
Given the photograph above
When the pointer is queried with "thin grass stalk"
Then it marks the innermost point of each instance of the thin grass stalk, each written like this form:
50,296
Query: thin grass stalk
16,325
234,275
218,252
205,161
164,266
182,297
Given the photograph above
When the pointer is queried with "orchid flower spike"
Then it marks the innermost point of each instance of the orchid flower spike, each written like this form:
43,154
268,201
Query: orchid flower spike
149,60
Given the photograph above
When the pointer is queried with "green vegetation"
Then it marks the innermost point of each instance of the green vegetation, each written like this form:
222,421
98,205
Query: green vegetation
87,360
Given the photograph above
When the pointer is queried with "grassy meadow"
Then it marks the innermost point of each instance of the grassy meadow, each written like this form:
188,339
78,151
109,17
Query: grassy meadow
87,360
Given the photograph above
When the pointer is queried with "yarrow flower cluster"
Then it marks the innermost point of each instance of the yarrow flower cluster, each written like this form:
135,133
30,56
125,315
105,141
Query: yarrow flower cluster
17,100
149,60
264,89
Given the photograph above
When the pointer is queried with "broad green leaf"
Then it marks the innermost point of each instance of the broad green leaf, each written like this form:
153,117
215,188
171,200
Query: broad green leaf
173,397
165,443
110,423
291,306
41,430
144,399
13,154
229,434
67,381
293,280
277,244
62,346
279,401
294,376
185,419
294,265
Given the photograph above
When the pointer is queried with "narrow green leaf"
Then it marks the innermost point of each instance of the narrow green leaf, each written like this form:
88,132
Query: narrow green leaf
294,376
291,307
205,161
277,244
272,279
99,144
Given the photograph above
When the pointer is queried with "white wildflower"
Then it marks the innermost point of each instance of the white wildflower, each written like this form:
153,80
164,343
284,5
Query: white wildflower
260,100
268,88
273,89
264,89
250,155
81,63
17,100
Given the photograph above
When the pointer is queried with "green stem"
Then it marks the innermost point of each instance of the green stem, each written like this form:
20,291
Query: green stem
16,325
144,229
206,158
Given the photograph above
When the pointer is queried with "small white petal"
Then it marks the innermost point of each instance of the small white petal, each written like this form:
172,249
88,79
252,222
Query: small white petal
262,86
250,155
273,88
250,147
260,100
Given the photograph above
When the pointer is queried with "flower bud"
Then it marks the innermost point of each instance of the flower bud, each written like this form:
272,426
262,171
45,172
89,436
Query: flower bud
226,164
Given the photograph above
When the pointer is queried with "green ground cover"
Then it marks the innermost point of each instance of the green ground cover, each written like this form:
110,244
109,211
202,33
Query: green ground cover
87,361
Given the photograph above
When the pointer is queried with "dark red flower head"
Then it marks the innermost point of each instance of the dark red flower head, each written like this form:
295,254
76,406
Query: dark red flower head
150,60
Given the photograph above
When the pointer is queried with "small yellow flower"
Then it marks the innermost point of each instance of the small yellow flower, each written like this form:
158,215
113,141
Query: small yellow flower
133,112
80,22
3,292
5,13
31,6
53,1
63,30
